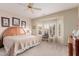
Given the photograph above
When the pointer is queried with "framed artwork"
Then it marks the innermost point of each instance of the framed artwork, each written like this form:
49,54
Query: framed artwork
15,21
23,24
5,22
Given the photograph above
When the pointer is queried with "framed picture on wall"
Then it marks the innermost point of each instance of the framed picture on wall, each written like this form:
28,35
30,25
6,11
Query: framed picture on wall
5,22
23,24
15,21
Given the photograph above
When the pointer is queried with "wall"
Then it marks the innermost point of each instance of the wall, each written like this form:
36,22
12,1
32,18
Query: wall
70,18
10,15
70,22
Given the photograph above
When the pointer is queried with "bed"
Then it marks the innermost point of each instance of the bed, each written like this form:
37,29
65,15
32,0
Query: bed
16,41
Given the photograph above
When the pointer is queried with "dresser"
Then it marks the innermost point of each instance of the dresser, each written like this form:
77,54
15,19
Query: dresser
73,46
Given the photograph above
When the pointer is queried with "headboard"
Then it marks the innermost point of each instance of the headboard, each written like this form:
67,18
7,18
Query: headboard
12,31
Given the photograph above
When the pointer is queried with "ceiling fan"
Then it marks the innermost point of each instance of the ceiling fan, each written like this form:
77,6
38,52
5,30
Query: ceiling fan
31,7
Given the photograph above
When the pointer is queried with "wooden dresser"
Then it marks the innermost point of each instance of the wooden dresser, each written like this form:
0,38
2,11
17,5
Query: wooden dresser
73,49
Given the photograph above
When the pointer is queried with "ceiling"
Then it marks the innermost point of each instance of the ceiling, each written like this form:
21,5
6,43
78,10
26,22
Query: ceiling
47,8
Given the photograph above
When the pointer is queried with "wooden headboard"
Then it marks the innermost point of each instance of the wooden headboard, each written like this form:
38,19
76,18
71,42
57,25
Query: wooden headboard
12,31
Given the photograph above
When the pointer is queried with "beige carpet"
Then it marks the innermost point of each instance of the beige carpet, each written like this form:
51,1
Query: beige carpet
44,49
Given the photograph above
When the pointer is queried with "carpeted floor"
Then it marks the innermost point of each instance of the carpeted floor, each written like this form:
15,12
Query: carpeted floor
44,49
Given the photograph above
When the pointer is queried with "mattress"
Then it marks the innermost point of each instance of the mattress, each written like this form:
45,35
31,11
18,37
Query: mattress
15,44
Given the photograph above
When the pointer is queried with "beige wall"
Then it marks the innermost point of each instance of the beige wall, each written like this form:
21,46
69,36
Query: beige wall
70,18
70,22
10,15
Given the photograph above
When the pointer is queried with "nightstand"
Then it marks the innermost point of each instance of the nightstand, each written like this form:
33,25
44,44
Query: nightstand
1,43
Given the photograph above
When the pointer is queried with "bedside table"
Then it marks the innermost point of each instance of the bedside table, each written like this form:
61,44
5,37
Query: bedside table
1,43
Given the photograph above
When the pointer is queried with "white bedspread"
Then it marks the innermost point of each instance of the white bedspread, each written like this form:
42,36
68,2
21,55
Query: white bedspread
13,44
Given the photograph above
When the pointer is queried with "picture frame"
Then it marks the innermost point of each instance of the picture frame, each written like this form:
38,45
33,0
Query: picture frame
15,21
23,24
5,21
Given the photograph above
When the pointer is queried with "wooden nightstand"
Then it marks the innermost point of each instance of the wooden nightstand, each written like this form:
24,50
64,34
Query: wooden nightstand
1,43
